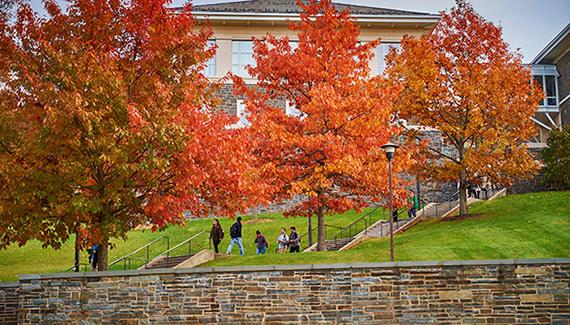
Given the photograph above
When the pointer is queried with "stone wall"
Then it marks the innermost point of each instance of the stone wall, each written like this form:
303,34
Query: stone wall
8,303
563,67
505,291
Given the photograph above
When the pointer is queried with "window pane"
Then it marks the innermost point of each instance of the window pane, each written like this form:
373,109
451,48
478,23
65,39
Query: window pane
242,55
538,79
291,110
381,52
550,86
211,64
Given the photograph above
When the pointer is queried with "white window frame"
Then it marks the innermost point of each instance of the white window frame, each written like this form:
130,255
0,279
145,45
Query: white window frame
210,69
238,66
381,55
241,113
542,71
291,110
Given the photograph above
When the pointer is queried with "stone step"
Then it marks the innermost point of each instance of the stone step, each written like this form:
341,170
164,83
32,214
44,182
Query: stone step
166,263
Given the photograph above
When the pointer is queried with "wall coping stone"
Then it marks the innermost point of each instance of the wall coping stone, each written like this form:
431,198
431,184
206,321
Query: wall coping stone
293,267
9,284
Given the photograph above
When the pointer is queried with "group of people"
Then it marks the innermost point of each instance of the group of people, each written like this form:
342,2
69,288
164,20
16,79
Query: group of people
284,241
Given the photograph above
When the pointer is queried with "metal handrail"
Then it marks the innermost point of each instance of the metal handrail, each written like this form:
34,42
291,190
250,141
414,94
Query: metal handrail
187,241
128,256
365,217
85,265
315,229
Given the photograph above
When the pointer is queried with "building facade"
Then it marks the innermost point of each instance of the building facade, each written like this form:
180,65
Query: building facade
551,69
235,24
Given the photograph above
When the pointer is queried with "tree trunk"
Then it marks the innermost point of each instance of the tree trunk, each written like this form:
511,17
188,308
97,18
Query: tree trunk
322,243
76,257
103,256
462,193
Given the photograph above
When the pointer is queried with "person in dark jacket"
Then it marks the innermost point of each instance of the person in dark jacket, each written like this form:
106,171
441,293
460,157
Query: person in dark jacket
93,257
216,234
294,241
261,243
235,234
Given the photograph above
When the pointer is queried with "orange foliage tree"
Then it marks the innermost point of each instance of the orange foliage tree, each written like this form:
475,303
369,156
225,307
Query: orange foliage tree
329,154
105,124
463,81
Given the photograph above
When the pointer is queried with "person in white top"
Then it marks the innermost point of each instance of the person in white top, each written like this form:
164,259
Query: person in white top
282,241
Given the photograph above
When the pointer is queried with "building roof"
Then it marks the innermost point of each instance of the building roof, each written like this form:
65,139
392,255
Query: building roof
290,7
555,49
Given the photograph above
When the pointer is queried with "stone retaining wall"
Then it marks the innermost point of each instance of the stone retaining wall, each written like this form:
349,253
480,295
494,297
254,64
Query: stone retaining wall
8,303
504,291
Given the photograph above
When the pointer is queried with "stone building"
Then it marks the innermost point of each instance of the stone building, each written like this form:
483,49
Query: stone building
551,68
235,24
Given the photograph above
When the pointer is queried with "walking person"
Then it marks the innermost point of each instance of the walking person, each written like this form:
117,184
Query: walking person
294,241
216,234
93,257
413,204
282,241
260,243
235,234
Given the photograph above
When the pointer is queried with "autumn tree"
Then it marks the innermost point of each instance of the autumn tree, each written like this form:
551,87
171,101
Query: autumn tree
329,154
106,124
463,81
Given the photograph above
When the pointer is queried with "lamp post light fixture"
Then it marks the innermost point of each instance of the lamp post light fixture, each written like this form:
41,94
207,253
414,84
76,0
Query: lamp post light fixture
390,148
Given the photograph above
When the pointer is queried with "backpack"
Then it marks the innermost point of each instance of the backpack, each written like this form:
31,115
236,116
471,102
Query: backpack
234,230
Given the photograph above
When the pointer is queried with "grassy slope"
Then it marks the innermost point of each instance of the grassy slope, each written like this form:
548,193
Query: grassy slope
522,226
31,258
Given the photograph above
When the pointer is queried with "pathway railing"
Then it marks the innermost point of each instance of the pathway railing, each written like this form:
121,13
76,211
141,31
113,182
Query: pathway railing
133,258
304,238
356,226
86,267
185,244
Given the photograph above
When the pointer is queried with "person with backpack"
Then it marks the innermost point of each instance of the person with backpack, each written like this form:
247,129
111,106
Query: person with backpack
413,204
216,234
294,241
93,257
235,234
261,243
282,241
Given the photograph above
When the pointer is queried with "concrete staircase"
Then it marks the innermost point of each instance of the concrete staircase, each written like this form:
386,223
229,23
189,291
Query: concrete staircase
164,262
335,245
382,229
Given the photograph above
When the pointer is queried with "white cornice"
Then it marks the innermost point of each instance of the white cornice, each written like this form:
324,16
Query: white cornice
429,19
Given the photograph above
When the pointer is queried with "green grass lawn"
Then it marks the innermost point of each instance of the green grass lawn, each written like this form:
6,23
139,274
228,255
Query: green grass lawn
533,225
519,226
31,258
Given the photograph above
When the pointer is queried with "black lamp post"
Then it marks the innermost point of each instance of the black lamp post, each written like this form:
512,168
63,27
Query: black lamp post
390,148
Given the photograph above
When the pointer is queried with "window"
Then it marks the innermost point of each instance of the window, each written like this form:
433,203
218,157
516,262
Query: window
381,52
291,110
538,79
210,70
548,84
241,114
242,55
550,87
294,45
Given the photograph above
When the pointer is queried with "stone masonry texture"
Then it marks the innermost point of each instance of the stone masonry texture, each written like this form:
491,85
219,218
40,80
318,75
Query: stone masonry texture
563,67
478,292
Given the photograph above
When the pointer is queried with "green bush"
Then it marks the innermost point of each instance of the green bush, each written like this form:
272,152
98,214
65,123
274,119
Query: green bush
556,158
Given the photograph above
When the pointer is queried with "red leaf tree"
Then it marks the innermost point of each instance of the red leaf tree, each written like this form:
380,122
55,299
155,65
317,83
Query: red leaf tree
329,155
105,124
463,81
